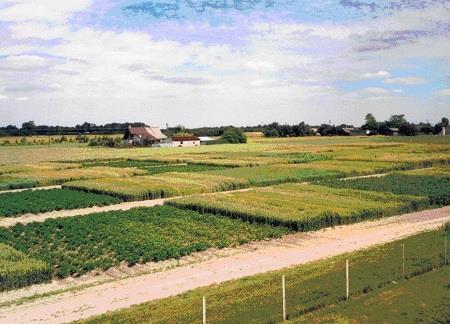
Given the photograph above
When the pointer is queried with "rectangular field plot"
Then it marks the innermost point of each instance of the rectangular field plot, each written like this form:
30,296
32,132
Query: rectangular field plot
40,201
275,174
17,270
76,245
152,187
433,184
303,207
43,177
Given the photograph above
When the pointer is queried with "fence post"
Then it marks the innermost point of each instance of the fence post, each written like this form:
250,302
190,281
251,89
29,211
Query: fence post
347,280
283,284
403,260
204,310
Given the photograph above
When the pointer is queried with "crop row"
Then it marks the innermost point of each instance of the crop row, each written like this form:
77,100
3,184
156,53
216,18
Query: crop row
302,207
17,270
160,186
40,201
309,287
436,188
76,245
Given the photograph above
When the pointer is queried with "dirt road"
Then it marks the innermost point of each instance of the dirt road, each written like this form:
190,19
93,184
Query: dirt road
255,258
32,189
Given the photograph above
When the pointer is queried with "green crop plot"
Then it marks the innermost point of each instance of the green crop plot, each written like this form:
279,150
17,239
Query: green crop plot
40,201
17,270
303,207
76,245
436,187
165,185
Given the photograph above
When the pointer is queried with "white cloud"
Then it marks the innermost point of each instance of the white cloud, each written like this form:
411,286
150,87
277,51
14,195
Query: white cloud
377,91
38,30
261,66
376,75
22,62
398,90
41,10
22,99
405,81
3,97
444,93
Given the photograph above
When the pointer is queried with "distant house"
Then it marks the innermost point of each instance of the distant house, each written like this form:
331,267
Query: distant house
183,141
445,131
145,136
392,131
347,131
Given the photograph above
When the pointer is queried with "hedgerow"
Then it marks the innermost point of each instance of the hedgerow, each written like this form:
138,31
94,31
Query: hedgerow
302,207
17,270
39,201
76,245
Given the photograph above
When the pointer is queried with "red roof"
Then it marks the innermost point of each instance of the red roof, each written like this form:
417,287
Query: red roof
150,133
185,138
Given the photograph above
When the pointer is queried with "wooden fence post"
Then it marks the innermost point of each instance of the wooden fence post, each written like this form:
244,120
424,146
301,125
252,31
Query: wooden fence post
283,284
347,280
204,310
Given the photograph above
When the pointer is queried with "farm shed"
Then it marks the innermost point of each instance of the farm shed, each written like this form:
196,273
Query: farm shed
392,131
144,136
184,141
205,139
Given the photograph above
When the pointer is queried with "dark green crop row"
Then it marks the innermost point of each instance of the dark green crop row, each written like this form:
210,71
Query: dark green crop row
437,188
76,245
40,201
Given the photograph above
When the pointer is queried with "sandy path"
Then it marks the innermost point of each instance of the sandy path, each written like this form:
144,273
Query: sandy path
32,189
290,250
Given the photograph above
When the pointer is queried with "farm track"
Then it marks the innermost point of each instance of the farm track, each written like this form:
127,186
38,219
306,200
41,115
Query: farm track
32,189
249,259
40,217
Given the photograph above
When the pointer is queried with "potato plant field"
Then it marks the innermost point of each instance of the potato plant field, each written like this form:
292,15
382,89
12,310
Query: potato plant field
303,207
76,245
436,188
40,201
160,186
18,270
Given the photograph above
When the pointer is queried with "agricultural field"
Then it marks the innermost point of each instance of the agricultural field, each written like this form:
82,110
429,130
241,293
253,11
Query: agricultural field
303,207
76,245
18,270
423,299
433,183
40,201
162,186
309,288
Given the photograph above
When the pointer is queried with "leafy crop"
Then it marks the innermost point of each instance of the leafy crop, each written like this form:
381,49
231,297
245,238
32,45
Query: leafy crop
302,207
152,187
39,201
76,245
17,270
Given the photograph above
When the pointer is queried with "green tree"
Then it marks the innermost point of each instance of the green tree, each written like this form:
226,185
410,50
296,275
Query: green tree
234,135
371,124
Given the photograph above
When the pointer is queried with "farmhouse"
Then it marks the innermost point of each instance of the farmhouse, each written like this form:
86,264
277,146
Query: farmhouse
392,131
144,136
183,141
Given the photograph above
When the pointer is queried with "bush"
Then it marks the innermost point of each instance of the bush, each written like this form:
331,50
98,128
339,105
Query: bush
234,135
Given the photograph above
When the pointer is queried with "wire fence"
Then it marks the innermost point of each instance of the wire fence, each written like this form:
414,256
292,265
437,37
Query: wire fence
289,294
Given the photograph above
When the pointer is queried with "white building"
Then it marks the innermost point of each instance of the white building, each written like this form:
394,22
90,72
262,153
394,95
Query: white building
184,141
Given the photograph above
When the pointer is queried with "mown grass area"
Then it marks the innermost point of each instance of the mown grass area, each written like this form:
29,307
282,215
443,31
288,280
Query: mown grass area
302,207
18,270
40,201
165,185
434,185
309,287
423,299
275,174
76,245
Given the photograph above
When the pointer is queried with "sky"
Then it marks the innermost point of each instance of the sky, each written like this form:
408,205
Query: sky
223,62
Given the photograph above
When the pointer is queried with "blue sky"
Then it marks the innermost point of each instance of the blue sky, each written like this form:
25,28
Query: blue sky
216,62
